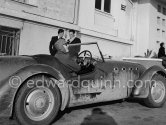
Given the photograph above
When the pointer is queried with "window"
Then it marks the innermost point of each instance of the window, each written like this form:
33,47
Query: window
103,5
163,22
98,4
163,34
159,8
107,4
158,20
9,40
157,41
164,11
158,32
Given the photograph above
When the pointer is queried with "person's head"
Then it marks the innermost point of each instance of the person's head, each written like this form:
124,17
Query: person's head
162,44
60,33
71,33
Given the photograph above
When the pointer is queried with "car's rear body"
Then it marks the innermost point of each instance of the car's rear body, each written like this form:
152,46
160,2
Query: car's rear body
15,70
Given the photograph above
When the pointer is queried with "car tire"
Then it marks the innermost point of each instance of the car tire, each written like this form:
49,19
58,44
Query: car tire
157,92
37,105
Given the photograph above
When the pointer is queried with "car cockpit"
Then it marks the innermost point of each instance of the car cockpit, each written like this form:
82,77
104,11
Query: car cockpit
86,62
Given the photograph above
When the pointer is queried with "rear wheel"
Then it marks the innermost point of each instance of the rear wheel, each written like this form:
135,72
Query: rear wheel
157,92
37,105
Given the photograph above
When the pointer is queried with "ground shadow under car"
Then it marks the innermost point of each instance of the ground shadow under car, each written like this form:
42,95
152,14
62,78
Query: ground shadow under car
98,117
69,110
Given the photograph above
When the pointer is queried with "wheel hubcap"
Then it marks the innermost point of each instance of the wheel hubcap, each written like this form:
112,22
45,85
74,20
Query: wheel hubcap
39,104
158,91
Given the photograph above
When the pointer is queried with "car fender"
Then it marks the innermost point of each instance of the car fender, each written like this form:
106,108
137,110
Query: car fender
9,90
143,84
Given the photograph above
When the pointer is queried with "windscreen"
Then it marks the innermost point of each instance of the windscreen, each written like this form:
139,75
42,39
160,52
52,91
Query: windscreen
92,48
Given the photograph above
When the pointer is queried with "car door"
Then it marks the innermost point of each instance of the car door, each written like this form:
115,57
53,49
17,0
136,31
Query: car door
86,88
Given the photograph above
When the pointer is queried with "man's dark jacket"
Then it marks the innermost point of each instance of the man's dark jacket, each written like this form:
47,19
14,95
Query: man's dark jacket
74,50
52,47
161,52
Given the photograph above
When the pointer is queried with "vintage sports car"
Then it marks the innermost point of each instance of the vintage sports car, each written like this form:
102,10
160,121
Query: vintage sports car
33,89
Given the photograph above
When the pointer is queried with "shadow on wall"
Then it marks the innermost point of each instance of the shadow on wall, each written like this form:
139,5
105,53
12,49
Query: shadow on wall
98,117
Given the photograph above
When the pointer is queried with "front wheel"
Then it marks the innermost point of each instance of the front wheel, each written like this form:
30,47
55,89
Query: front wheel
37,105
157,92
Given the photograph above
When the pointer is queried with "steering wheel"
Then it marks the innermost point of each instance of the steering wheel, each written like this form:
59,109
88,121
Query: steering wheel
86,59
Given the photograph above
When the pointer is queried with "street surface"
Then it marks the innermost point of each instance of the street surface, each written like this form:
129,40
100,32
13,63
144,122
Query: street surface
111,113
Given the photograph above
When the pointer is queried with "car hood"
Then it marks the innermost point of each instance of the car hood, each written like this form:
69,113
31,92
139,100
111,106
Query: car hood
111,64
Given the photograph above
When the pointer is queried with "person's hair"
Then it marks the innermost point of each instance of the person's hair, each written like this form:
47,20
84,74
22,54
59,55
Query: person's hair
161,44
73,31
60,31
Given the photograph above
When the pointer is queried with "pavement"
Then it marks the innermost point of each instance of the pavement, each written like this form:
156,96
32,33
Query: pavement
110,113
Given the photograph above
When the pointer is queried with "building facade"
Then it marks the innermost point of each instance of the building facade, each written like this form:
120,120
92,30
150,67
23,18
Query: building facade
151,27
26,26
110,23
122,28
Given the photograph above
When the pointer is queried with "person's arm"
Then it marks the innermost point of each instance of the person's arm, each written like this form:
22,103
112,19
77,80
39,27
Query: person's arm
164,51
60,46
78,48
52,45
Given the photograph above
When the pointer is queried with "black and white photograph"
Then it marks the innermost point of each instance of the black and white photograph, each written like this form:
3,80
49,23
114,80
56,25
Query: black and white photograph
82,62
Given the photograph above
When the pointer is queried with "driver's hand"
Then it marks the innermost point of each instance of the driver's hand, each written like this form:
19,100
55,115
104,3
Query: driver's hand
80,61
86,61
